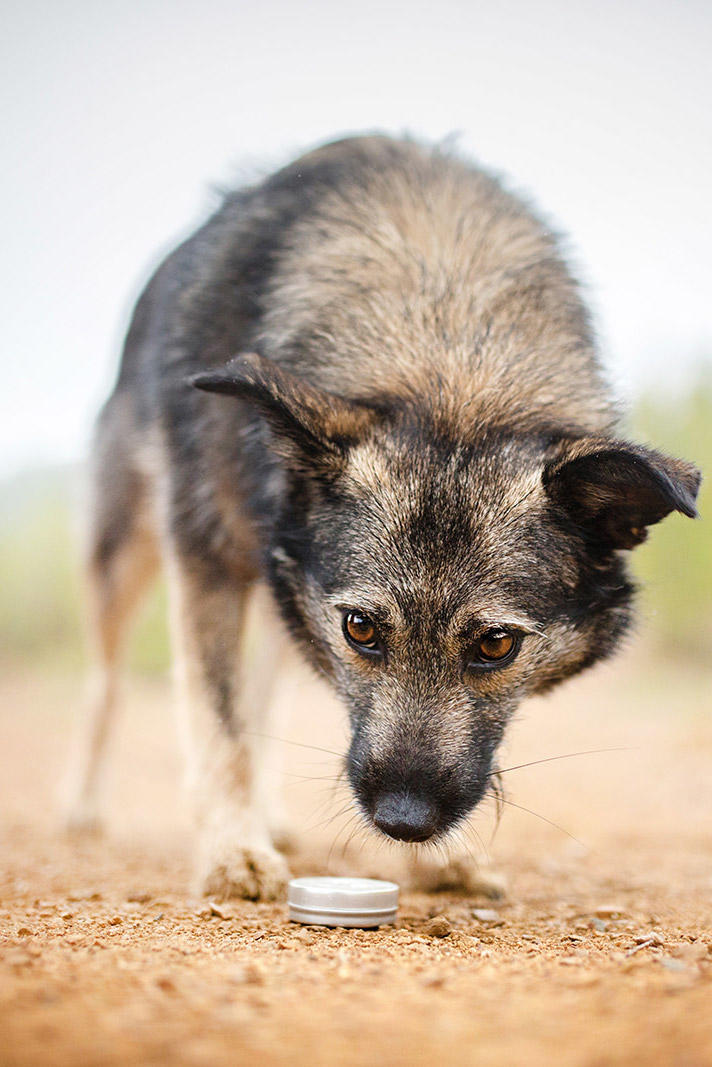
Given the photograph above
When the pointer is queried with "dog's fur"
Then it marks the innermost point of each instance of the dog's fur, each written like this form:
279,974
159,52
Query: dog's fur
417,427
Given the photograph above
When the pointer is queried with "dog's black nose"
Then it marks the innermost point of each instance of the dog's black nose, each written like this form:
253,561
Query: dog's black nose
405,816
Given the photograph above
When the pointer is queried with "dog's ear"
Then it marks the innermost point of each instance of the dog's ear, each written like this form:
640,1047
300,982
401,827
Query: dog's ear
310,423
615,490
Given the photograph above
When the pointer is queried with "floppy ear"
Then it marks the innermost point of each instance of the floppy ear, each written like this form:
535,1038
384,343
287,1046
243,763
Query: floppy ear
311,422
615,490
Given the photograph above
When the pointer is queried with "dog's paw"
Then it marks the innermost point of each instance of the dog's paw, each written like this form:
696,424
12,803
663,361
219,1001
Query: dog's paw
460,874
82,820
249,874
285,840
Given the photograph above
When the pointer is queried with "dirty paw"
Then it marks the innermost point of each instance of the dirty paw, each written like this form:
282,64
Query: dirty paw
83,821
459,874
247,873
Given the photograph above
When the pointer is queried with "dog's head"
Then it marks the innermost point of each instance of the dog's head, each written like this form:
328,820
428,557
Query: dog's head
437,580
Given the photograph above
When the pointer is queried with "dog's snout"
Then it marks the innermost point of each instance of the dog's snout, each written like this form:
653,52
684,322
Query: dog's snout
410,789
405,817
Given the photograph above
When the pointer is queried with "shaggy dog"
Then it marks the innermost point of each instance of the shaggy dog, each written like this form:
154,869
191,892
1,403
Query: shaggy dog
365,398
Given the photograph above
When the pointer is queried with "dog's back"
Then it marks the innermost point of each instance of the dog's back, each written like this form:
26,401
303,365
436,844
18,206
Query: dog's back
415,266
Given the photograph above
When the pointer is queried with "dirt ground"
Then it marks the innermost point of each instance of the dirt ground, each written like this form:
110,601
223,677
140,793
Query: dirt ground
599,953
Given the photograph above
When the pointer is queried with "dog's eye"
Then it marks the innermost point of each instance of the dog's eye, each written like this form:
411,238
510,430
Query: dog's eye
495,645
361,632
493,649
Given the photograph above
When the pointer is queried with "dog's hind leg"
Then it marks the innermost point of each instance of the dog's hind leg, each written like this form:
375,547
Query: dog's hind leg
123,558
222,693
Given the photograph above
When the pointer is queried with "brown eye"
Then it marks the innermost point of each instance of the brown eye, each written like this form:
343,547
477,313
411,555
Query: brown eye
495,645
493,649
360,631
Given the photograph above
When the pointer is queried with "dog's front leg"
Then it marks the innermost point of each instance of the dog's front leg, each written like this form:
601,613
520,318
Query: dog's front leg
457,870
220,702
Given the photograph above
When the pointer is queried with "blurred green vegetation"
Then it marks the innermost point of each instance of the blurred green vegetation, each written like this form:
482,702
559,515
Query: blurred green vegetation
674,566
41,615
40,571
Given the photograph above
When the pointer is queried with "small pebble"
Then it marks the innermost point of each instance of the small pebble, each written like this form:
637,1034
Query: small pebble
609,911
305,935
218,912
640,945
653,938
439,926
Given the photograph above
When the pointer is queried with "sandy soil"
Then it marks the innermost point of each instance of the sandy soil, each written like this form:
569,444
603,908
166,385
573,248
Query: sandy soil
600,952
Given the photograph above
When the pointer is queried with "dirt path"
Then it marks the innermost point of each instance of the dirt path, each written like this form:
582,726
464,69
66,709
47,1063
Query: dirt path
598,955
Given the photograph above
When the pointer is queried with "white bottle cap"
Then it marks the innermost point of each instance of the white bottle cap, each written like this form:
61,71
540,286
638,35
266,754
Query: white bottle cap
342,901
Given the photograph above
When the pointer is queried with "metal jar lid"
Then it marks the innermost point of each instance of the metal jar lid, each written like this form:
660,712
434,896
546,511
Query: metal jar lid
342,901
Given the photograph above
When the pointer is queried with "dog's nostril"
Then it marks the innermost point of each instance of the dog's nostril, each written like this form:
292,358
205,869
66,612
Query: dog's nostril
405,817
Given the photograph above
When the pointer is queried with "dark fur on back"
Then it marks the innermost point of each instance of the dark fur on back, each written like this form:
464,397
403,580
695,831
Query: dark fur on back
420,429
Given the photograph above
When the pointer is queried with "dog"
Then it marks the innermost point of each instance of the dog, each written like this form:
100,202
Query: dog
364,399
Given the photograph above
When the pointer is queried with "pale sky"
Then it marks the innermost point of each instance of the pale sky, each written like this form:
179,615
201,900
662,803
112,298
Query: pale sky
121,114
